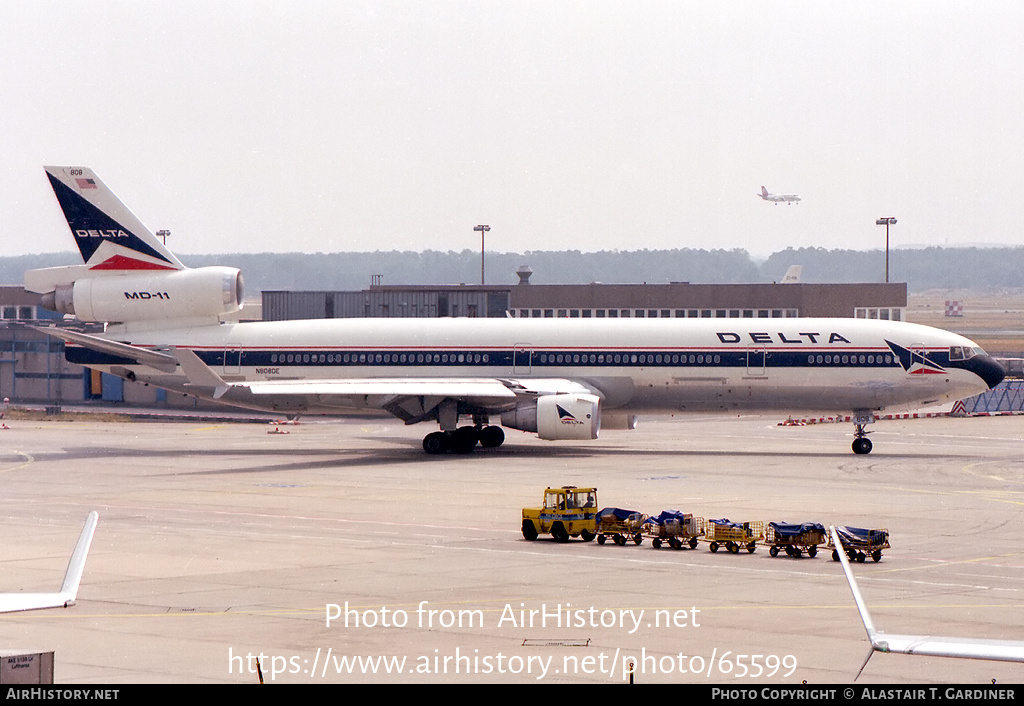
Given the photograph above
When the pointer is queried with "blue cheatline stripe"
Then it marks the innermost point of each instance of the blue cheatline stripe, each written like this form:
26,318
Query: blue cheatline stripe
538,359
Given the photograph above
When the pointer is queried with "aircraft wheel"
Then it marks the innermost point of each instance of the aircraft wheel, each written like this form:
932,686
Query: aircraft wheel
464,440
492,437
435,443
862,445
529,530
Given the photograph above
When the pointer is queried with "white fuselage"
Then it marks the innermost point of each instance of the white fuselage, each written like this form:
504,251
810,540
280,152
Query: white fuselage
633,365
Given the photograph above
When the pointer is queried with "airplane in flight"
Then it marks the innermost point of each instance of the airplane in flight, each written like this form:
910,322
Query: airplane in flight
558,378
16,602
778,198
927,645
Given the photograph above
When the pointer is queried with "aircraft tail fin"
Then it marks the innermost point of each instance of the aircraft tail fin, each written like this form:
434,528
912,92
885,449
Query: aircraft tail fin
926,645
76,566
865,616
764,193
129,276
14,602
109,236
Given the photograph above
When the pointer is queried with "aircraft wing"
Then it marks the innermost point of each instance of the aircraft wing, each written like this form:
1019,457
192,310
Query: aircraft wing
409,399
488,388
13,602
930,645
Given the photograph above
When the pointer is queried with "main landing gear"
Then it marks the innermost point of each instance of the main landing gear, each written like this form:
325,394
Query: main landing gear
464,439
861,442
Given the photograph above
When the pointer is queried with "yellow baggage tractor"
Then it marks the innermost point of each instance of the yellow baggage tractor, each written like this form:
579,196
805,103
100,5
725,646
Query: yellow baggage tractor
677,529
794,538
733,535
567,511
621,525
860,543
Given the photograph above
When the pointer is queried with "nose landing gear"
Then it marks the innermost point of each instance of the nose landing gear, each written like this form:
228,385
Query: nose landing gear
861,442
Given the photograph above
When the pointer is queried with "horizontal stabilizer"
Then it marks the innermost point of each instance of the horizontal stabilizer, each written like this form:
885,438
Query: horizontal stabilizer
144,356
48,279
13,602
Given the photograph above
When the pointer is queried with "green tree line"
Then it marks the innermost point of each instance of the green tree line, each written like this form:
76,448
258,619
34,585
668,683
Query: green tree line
921,269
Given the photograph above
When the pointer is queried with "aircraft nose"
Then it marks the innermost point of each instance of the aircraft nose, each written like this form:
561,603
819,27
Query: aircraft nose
988,369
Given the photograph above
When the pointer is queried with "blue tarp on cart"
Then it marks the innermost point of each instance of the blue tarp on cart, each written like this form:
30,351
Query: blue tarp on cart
617,512
783,529
859,537
665,516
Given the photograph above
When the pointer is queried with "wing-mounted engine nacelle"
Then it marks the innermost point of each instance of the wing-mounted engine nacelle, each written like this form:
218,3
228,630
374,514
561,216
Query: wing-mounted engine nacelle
189,293
556,417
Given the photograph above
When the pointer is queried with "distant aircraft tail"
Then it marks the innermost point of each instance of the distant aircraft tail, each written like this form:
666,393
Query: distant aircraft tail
792,275
764,193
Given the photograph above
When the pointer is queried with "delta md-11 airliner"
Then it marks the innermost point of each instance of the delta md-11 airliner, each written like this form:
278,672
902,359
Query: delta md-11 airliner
560,378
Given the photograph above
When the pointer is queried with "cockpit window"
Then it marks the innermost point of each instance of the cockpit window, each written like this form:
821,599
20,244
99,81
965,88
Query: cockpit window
964,352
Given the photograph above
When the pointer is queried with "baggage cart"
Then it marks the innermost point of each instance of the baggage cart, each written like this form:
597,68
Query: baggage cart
733,535
621,525
860,543
794,539
677,529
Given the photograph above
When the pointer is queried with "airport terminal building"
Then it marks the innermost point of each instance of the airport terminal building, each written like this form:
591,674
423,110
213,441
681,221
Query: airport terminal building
677,300
33,368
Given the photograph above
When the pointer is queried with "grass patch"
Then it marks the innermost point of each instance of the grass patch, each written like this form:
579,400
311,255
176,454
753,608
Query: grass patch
41,415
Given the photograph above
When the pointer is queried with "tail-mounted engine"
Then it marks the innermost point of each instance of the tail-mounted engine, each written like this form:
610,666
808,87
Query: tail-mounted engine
555,417
188,293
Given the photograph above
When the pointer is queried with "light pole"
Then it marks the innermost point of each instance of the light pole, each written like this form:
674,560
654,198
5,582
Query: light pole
887,221
483,230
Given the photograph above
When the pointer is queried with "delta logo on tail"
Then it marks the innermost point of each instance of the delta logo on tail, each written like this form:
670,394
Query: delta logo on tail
913,362
95,231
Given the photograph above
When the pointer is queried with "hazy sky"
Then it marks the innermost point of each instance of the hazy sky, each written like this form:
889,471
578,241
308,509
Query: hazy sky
334,125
